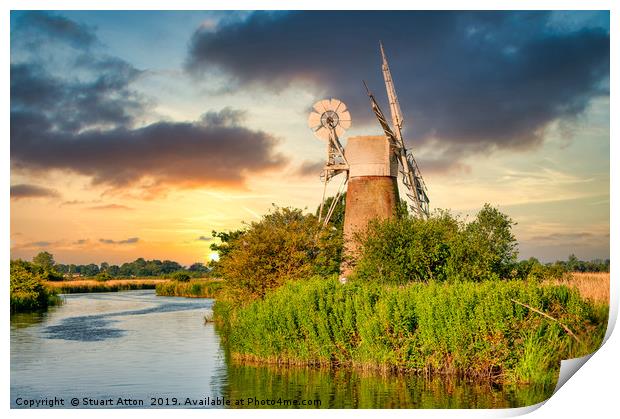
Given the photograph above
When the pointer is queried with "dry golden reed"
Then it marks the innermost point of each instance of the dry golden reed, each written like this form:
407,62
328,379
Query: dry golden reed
591,285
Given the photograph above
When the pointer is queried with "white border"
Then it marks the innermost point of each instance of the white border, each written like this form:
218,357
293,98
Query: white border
593,390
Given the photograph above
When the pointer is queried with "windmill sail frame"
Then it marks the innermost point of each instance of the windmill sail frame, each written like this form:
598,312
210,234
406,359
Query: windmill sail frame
411,176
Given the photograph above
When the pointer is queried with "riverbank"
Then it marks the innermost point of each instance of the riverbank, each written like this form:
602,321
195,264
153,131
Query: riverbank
195,288
491,330
112,285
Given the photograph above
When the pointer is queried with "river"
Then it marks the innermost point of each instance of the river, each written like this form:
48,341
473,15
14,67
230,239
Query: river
146,351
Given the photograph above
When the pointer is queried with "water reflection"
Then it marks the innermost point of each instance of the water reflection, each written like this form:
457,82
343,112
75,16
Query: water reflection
344,388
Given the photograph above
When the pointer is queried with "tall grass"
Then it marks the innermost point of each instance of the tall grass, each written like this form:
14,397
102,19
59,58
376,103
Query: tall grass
199,288
91,285
464,328
591,285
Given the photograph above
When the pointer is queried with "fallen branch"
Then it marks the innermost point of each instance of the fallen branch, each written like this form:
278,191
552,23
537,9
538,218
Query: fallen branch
570,332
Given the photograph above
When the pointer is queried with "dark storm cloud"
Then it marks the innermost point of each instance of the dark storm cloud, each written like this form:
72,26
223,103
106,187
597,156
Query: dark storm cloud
475,81
130,240
86,122
73,105
51,26
164,153
22,191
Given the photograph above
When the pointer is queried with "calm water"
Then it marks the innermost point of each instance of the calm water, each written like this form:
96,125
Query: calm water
158,350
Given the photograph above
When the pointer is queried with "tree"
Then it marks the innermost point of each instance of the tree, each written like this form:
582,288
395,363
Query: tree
400,250
486,249
439,248
284,245
45,260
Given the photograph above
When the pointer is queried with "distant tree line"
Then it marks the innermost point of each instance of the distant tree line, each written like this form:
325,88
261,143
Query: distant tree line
575,265
138,268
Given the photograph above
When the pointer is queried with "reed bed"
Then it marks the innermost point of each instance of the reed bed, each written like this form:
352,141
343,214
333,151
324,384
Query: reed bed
593,286
477,330
196,288
91,285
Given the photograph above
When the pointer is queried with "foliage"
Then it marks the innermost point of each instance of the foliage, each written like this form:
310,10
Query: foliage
103,276
28,293
466,328
404,249
485,249
284,244
181,276
573,264
439,248
44,260
138,268
194,288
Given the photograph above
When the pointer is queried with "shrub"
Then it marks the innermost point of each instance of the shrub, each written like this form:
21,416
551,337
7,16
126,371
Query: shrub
284,244
103,276
439,248
28,293
406,249
181,276
485,249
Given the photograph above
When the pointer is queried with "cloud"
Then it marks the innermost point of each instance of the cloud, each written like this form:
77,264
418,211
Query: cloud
110,207
130,240
34,245
185,154
45,26
310,168
39,244
205,238
473,81
227,117
23,191
564,237
81,242
85,120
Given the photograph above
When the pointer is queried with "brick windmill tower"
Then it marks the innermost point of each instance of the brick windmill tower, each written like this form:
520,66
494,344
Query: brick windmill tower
371,166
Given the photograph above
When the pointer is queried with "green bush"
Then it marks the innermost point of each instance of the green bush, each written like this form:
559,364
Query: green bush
181,276
103,276
439,248
464,328
28,293
406,249
284,244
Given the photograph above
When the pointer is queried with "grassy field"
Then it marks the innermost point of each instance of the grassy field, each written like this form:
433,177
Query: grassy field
593,286
91,285
195,288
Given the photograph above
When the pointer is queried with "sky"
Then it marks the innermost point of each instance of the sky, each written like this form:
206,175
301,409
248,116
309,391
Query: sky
138,133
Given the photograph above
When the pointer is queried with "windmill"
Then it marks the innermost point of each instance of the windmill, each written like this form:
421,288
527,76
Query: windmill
411,176
328,121
371,166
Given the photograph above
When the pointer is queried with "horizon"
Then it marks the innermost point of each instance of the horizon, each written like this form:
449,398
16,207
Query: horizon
137,133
